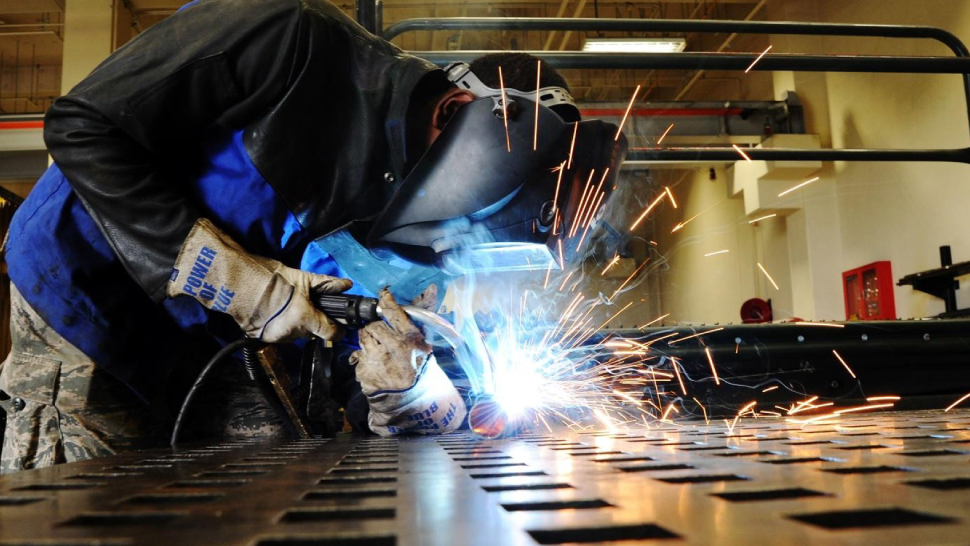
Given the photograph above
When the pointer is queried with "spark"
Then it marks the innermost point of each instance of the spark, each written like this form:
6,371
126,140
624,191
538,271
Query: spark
614,316
670,408
862,408
771,388
654,321
505,113
683,389
587,192
589,220
649,208
772,413
958,402
765,271
555,197
627,397
661,338
628,279
825,324
535,135
716,253
548,272
847,368
569,163
762,218
663,136
614,261
710,360
593,209
572,306
563,285
740,151
804,403
706,420
793,188
758,59
619,130
880,398
745,409
671,196
671,342
808,407
602,179
562,264
680,225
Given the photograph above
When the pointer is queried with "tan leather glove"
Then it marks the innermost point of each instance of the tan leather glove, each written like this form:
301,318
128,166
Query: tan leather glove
405,388
268,300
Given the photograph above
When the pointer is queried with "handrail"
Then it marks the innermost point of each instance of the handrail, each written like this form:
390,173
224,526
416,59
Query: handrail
730,61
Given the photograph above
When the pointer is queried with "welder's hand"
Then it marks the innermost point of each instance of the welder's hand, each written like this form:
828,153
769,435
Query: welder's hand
405,388
268,300
392,352
427,300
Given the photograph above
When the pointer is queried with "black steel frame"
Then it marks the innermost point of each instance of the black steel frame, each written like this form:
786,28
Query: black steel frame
730,61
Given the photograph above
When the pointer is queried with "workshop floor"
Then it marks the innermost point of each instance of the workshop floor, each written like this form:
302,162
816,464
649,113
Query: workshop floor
888,479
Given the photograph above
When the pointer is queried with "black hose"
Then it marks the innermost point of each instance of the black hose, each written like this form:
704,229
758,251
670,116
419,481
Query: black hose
223,353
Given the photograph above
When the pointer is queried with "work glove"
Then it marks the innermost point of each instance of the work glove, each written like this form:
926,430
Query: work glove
405,388
268,300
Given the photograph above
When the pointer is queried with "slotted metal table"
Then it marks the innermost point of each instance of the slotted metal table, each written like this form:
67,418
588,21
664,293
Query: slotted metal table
882,478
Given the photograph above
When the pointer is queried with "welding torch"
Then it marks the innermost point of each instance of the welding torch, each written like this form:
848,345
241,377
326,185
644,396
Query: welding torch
356,311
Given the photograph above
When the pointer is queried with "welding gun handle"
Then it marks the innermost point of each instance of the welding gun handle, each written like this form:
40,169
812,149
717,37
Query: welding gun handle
354,311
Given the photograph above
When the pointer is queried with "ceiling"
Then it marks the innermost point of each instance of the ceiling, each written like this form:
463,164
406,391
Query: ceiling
31,43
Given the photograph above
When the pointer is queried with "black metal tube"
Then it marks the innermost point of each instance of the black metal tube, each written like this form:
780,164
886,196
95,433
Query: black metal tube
946,257
960,155
366,13
672,25
728,61
957,46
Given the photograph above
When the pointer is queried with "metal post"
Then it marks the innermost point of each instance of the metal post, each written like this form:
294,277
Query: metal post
366,12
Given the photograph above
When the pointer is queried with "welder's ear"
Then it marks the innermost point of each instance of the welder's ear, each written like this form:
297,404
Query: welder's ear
448,104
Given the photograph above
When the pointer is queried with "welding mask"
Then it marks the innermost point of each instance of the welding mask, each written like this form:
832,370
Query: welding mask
505,187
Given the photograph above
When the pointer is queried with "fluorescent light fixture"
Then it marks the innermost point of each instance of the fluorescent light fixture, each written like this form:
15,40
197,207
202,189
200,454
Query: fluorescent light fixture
635,45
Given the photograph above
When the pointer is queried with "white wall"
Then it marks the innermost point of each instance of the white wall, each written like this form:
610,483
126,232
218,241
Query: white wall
696,288
890,211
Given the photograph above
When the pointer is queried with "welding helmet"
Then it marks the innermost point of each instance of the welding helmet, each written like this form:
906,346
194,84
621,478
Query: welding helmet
507,186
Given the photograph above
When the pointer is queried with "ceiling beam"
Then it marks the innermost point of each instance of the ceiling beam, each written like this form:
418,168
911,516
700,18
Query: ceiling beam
31,6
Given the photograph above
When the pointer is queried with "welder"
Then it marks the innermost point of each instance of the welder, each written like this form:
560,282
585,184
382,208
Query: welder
192,171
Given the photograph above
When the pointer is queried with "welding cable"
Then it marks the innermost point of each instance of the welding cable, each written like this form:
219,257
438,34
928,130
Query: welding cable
223,353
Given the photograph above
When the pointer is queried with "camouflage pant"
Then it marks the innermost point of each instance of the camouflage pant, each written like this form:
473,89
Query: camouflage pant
62,408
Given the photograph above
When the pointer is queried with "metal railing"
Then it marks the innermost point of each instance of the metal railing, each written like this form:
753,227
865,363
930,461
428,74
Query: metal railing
959,64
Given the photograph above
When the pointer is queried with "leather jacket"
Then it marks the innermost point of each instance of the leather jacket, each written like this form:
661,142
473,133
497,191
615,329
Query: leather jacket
321,104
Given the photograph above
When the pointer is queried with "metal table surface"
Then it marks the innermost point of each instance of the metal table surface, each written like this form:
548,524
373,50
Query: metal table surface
879,478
